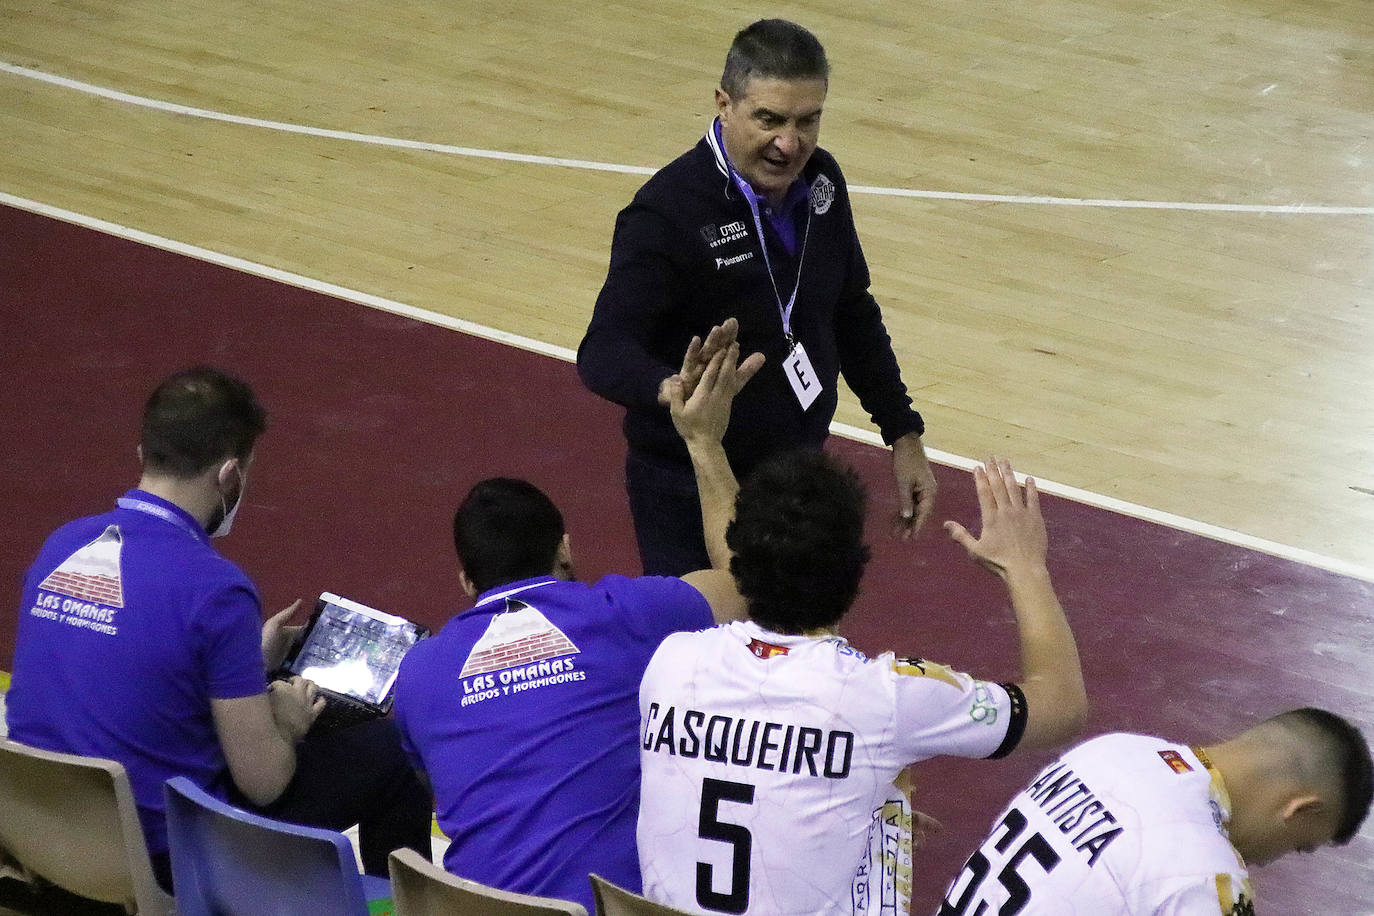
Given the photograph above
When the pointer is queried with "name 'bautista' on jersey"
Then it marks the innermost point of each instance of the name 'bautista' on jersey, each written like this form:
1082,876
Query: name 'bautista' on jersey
784,747
1071,805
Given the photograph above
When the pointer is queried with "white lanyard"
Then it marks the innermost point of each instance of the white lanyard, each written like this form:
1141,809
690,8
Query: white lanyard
513,591
784,311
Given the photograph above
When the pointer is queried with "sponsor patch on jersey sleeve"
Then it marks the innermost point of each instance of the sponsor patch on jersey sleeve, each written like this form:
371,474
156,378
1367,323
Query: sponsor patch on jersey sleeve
920,667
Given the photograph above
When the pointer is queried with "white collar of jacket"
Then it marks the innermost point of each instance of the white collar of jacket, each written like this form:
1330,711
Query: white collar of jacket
717,147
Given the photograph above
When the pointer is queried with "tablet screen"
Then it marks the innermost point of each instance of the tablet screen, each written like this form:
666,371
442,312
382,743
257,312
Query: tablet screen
353,649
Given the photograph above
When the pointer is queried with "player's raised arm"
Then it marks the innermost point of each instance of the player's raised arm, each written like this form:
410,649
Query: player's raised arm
701,419
1013,544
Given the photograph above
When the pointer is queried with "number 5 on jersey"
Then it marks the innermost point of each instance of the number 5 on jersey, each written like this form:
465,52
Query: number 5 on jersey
710,827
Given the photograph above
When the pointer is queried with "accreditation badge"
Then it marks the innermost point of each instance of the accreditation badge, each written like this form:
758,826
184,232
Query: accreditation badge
801,376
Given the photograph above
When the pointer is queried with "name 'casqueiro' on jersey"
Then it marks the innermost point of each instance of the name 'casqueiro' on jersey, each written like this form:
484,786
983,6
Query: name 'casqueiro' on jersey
1122,825
768,762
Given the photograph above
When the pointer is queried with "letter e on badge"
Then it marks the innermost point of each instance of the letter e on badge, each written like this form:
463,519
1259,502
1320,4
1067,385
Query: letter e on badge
801,376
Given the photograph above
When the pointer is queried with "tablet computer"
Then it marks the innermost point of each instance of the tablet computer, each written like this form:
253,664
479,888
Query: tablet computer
352,652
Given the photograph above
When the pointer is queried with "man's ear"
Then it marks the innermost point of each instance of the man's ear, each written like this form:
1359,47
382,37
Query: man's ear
722,101
468,588
564,556
1303,806
226,471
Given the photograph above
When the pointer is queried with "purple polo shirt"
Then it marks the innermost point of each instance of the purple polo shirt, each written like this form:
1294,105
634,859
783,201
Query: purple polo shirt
524,711
129,624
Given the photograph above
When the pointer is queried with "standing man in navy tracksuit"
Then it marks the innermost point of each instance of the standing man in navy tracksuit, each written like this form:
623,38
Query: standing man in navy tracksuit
753,224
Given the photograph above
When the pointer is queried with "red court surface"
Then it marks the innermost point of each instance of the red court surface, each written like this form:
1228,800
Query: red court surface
380,424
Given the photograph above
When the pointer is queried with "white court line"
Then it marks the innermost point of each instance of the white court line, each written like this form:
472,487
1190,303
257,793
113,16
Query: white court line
473,152
870,437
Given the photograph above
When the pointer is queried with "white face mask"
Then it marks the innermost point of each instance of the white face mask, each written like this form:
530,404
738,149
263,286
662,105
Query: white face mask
226,522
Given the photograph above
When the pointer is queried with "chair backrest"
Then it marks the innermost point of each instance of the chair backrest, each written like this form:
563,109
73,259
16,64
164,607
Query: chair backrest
227,861
71,820
421,888
614,900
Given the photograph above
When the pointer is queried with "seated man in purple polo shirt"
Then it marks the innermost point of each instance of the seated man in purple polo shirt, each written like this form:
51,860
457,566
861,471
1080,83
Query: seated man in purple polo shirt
139,643
524,710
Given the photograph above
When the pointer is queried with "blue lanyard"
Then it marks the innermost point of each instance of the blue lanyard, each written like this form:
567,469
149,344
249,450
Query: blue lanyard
784,311
167,515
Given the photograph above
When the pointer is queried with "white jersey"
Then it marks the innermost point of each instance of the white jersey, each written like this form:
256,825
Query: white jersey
769,762
1122,825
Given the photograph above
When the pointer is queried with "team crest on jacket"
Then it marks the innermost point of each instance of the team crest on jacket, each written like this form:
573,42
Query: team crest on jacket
822,195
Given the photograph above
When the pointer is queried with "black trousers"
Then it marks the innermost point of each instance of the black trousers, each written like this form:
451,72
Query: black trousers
356,775
667,515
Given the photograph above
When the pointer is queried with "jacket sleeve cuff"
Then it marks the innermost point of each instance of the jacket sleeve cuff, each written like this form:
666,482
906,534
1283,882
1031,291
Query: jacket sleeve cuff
895,428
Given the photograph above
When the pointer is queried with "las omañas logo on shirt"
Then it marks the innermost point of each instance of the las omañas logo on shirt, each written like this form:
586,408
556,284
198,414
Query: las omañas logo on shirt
521,650
86,589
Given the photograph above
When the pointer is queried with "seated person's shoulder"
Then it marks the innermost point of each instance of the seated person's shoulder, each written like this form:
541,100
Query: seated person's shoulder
637,587
655,604
1226,892
215,579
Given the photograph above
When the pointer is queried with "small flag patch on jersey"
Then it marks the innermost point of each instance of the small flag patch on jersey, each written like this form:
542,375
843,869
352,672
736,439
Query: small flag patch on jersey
1175,761
763,649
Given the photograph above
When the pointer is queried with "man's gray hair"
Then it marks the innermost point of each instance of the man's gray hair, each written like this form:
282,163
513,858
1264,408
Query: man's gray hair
773,48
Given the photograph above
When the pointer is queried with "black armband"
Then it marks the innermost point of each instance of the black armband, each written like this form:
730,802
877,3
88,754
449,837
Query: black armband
1016,727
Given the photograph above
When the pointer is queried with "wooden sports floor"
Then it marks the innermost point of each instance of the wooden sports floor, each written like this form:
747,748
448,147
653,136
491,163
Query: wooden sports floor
1129,244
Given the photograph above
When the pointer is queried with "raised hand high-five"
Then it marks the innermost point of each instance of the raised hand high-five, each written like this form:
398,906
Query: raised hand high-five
1013,534
1013,544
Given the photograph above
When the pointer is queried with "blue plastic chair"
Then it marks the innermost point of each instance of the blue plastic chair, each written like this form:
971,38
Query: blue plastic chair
230,862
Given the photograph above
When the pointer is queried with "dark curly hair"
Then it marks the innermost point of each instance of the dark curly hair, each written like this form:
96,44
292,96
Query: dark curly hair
797,539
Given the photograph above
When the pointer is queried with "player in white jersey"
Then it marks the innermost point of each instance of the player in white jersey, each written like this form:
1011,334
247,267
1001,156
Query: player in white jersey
1132,825
770,747
776,796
